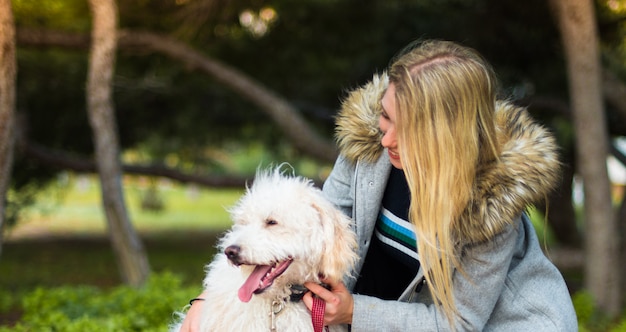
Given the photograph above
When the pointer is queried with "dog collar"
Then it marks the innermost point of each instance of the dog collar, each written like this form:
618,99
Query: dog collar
297,292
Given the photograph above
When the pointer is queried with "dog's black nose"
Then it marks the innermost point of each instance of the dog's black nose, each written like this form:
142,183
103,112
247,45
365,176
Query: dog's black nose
232,252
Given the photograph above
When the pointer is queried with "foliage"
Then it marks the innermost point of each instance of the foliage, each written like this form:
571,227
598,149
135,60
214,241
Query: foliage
72,15
86,308
152,307
314,51
538,219
590,318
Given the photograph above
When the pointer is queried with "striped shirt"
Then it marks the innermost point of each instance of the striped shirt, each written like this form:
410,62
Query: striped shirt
392,261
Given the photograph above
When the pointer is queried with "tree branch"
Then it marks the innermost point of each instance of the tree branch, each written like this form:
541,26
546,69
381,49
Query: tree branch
66,161
286,116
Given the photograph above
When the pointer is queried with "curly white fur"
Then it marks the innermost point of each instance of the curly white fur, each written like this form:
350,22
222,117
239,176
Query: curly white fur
280,217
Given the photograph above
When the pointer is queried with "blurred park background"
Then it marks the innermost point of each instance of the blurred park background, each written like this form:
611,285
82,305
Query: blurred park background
199,93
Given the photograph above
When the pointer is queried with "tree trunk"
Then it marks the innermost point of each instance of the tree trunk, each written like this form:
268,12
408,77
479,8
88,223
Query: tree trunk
579,36
7,104
127,245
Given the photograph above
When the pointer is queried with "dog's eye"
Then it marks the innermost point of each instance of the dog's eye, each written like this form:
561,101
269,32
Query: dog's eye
271,222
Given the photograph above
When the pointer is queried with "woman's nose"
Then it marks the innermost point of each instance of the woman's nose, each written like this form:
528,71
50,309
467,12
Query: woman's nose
389,138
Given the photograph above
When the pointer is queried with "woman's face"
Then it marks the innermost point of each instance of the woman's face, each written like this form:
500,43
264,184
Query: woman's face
387,124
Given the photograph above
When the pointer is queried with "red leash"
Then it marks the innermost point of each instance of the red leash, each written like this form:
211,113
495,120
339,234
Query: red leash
317,314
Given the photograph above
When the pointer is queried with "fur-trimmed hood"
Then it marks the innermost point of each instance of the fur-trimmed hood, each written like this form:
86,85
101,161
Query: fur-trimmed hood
527,170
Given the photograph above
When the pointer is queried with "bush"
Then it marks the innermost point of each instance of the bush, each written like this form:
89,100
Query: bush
151,308
86,308
590,318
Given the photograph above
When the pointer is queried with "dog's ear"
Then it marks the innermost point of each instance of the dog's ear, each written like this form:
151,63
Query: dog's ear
339,251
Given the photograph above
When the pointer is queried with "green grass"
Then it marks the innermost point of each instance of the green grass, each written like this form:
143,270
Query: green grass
72,206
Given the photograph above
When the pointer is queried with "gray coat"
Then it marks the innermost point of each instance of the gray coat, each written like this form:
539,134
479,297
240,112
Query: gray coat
509,284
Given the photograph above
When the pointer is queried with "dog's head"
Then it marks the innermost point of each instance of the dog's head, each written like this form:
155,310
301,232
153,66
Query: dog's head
285,233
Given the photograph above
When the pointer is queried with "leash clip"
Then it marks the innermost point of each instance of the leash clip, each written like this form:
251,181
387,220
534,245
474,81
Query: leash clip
277,307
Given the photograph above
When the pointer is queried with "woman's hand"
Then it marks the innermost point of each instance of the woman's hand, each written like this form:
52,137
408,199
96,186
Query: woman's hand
339,302
191,323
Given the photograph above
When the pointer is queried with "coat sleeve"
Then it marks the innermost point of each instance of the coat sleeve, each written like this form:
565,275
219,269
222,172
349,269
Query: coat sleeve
476,293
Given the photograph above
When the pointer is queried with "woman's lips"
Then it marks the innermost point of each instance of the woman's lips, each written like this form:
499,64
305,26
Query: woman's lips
393,155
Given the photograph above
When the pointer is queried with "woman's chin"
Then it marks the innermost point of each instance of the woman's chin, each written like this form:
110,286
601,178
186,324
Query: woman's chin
396,163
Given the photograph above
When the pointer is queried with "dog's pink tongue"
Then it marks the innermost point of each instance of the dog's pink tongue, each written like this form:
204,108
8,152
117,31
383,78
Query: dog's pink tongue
253,282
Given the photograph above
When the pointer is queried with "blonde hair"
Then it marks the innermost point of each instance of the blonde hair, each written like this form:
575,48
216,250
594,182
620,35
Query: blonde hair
445,103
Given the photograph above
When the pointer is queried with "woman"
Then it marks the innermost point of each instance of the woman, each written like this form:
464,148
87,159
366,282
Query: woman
436,174
440,214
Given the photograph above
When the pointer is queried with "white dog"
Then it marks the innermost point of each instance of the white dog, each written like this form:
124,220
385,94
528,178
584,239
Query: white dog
284,234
